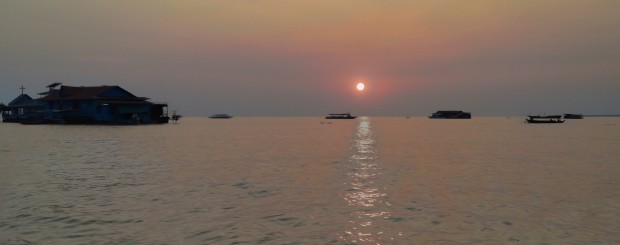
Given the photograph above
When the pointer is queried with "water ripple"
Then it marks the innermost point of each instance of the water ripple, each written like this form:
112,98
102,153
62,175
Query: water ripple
366,195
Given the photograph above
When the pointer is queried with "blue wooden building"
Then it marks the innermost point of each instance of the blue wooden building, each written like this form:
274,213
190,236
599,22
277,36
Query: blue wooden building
20,108
85,105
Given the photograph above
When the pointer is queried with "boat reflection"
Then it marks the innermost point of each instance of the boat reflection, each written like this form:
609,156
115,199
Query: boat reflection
366,196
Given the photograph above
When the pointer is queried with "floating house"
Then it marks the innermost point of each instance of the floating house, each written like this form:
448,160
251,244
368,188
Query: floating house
19,108
85,105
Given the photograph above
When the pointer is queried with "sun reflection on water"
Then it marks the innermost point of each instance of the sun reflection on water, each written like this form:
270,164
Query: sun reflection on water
364,190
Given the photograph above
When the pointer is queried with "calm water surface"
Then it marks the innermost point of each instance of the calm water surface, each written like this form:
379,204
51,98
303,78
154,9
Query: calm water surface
312,181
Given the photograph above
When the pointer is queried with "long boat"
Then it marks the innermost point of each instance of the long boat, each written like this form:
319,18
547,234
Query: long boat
340,116
220,116
544,119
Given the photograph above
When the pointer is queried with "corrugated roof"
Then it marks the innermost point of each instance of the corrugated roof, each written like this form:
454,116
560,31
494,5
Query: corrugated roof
24,100
89,93
21,99
112,102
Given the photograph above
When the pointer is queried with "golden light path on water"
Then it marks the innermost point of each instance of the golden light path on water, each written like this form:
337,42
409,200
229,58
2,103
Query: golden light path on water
366,196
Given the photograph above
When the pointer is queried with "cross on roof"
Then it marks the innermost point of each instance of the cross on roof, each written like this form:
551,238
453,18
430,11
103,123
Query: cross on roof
22,88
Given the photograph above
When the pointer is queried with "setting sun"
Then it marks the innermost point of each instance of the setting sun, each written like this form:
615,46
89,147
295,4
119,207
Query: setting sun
360,86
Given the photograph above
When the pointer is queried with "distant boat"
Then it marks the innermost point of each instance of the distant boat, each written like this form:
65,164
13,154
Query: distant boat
175,117
340,116
451,115
573,116
220,116
544,119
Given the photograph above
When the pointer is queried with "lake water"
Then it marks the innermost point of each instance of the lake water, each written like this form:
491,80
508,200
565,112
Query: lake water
371,180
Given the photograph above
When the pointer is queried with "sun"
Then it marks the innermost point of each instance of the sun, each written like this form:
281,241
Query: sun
360,86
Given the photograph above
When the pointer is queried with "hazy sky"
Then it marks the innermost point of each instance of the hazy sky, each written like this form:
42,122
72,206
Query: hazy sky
303,57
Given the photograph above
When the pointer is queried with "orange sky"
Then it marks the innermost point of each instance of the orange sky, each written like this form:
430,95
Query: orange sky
302,57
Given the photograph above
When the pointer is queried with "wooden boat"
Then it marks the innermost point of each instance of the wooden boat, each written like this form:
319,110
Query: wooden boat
340,116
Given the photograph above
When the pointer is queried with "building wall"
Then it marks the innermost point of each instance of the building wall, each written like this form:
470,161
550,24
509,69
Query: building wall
102,112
